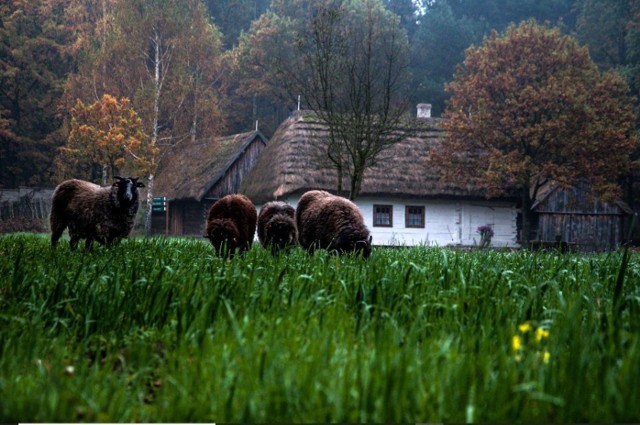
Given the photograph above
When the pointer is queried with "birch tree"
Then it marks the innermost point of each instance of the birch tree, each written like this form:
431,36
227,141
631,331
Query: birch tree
165,56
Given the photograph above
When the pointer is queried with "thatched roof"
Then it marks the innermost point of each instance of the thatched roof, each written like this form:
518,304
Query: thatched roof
190,169
288,165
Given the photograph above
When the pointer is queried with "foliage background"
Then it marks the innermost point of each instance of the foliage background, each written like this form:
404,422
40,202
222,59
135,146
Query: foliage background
56,51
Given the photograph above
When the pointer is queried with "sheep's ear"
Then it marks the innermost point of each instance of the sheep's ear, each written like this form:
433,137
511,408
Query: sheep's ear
139,184
118,178
361,244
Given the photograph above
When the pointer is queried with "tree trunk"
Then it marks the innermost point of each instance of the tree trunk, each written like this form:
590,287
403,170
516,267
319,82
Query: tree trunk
154,135
526,217
356,183
104,174
147,221
194,122
104,32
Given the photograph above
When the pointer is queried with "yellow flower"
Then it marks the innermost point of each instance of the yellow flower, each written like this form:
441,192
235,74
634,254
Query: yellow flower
546,356
541,334
525,327
516,344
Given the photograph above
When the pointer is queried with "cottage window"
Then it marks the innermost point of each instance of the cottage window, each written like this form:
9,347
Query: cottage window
414,216
383,216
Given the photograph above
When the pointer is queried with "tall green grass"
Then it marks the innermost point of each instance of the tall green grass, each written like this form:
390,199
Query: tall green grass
162,330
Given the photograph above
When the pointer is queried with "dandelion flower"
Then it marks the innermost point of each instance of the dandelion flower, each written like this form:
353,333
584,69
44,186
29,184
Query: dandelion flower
516,343
525,327
541,334
546,356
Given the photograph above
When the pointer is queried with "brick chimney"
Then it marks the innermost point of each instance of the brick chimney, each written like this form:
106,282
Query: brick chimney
424,110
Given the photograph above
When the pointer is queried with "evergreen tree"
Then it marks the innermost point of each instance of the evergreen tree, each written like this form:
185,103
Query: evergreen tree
35,61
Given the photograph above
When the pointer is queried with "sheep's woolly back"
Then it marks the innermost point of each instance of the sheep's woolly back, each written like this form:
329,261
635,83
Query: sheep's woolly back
93,212
305,201
333,223
231,220
276,225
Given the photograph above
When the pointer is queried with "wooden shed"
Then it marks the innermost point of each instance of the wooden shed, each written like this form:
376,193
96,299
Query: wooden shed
574,216
196,174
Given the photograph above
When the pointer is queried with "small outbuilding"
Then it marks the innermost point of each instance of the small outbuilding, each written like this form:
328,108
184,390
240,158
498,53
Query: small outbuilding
195,174
575,217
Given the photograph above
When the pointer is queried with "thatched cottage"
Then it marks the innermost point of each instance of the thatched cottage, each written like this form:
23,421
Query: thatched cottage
402,199
196,174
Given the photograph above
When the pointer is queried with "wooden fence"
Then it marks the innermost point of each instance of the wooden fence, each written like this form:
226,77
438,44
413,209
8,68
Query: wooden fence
24,209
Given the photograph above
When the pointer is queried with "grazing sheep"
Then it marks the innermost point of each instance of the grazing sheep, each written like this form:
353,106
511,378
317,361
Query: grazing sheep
92,212
331,222
305,201
231,224
276,226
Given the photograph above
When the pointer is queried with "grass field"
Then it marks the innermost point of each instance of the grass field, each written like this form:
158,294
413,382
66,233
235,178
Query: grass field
160,330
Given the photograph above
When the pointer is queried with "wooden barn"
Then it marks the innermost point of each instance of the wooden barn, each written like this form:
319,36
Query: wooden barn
402,199
575,217
196,174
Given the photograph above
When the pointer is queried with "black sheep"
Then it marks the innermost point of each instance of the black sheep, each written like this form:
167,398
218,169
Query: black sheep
331,222
276,226
231,224
92,212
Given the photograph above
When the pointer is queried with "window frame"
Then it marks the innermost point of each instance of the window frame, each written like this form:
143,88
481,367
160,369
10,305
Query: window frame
375,215
422,218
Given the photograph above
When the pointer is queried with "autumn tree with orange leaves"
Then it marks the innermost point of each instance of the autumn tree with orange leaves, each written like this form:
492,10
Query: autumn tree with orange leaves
530,107
106,136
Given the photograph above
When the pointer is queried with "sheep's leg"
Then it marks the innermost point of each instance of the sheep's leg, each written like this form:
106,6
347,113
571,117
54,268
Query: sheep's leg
56,233
112,239
73,242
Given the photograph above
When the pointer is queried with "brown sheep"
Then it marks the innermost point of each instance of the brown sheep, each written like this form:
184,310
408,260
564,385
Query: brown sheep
303,204
276,226
331,222
231,224
92,212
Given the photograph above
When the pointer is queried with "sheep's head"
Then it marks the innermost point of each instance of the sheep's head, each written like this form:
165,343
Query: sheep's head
224,236
126,190
358,243
281,232
364,247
